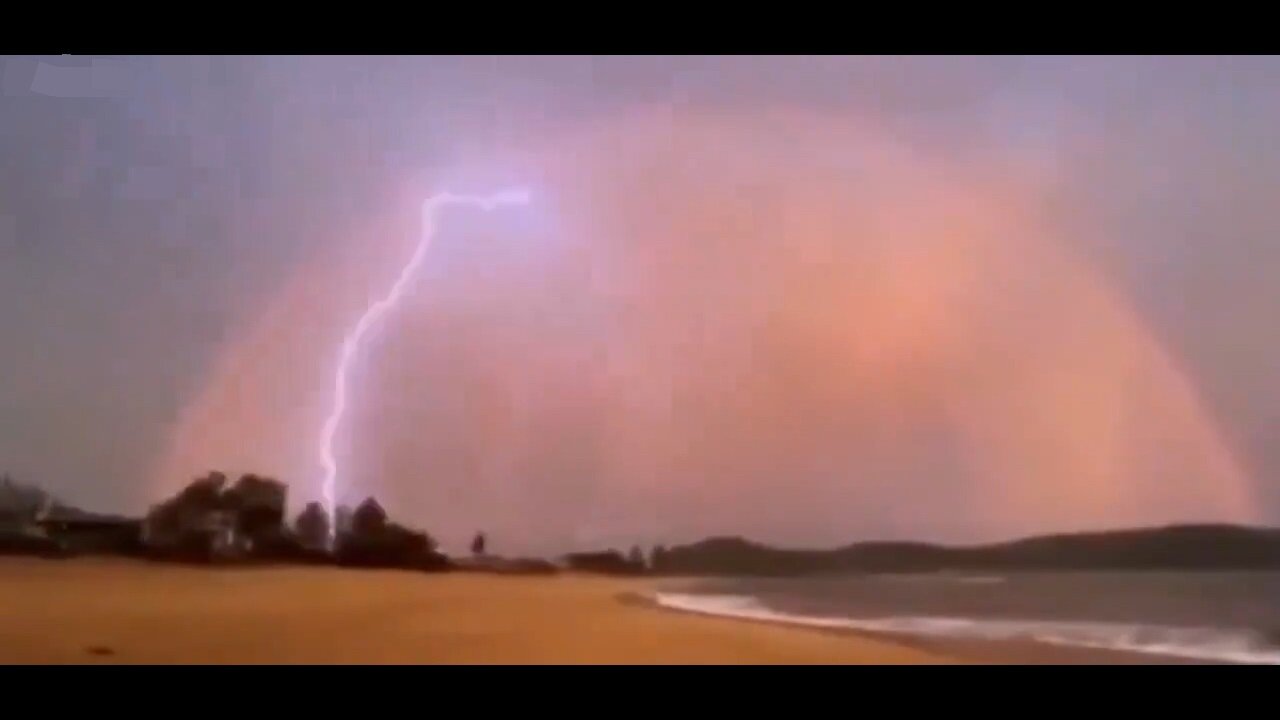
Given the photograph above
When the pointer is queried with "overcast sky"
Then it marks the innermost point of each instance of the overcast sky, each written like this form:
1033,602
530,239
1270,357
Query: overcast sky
809,300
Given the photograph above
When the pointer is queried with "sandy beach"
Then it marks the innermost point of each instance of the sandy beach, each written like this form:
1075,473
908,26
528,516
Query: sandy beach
116,611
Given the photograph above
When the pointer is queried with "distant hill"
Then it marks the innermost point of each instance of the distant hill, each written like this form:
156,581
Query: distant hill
1178,547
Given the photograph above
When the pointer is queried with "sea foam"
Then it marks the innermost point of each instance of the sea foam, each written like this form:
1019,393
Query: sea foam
1206,644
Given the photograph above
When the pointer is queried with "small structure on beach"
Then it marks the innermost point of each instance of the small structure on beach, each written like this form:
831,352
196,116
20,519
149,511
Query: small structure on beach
33,522
77,532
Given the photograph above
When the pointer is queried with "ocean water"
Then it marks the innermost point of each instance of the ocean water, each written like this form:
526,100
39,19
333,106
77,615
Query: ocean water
1204,616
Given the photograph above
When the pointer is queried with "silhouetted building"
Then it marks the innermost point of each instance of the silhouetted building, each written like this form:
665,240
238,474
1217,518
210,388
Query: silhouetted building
81,533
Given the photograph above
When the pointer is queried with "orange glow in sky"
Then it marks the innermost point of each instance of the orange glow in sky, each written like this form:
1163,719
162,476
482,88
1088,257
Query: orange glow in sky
784,326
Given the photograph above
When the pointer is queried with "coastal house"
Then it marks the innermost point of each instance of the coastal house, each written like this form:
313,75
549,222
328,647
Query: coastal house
79,532
20,534
21,507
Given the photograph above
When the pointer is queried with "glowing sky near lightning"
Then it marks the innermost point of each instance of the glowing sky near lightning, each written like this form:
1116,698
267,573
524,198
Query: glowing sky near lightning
808,300
351,344
779,322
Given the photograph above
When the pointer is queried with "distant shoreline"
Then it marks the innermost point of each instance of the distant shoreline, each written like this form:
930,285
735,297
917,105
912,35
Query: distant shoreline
1182,548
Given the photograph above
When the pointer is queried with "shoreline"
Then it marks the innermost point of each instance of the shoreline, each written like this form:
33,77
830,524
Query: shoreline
962,650
94,610
980,651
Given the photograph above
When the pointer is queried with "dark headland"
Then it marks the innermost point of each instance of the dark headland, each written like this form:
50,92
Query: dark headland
1174,547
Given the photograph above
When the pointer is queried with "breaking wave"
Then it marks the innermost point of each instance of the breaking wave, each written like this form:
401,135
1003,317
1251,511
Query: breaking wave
1195,643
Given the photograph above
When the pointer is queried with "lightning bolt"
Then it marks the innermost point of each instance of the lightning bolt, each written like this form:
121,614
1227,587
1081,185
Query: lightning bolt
431,208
